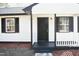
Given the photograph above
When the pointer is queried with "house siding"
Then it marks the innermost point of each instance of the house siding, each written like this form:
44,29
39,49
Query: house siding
24,34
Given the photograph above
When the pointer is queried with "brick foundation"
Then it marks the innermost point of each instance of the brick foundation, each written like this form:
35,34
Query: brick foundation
15,44
71,52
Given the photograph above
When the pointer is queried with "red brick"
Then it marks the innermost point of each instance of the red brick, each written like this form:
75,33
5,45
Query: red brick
15,45
70,52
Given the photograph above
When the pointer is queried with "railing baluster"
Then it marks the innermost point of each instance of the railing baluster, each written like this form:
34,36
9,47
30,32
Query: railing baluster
67,43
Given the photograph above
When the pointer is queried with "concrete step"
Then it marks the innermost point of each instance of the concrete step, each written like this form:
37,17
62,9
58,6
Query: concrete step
43,54
44,47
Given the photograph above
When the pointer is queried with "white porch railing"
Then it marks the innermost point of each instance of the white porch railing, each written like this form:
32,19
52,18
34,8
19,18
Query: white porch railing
67,43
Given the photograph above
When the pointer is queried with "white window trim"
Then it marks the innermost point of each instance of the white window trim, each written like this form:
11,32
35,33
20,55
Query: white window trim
11,18
63,24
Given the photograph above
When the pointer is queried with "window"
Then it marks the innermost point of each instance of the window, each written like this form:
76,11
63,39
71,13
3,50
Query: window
10,25
64,24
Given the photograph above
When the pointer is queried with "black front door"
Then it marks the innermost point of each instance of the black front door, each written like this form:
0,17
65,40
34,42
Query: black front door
42,29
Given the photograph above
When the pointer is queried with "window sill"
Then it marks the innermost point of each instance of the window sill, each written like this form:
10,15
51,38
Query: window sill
11,32
63,32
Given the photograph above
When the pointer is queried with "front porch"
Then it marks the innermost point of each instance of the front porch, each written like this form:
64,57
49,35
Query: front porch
50,47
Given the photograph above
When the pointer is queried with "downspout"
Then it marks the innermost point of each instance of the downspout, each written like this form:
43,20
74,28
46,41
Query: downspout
29,12
55,28
32,23
31,27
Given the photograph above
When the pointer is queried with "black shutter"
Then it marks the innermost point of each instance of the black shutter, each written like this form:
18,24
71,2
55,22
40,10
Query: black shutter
57,23
70,24
16,24
3,23
78,24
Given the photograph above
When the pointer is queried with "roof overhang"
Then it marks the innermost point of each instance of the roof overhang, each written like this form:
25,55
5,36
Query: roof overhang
56,8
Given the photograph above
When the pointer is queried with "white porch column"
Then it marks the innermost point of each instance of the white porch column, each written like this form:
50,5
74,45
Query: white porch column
75,29
34,29
75,24
51,28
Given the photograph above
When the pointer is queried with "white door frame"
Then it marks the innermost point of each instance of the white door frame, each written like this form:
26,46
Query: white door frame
50,26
